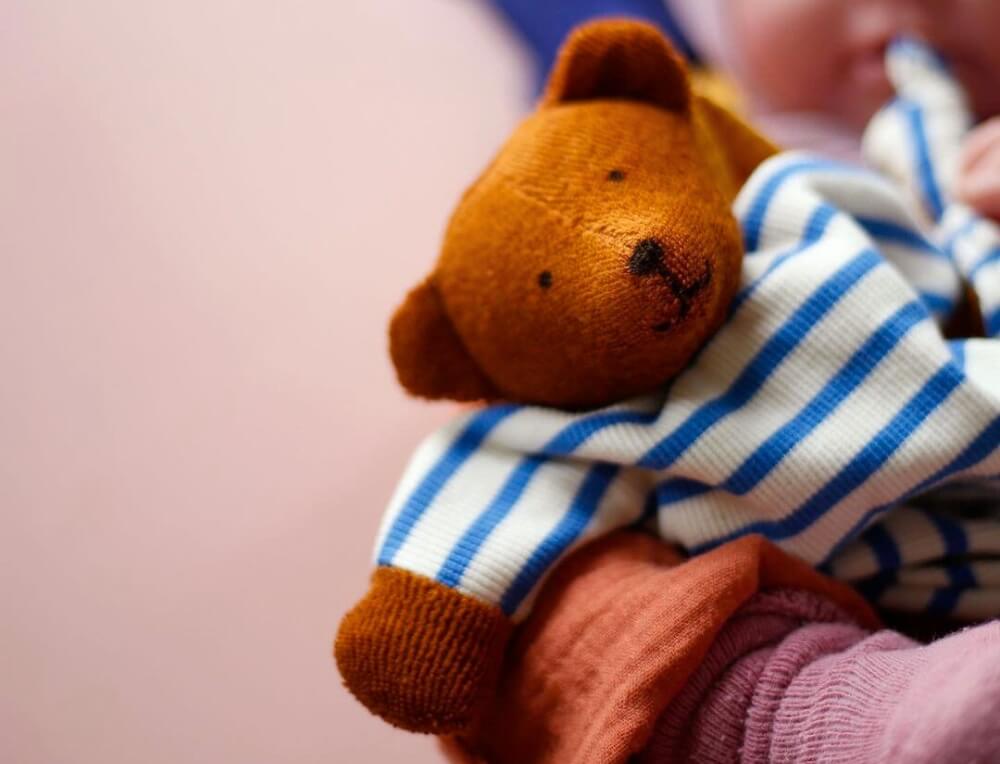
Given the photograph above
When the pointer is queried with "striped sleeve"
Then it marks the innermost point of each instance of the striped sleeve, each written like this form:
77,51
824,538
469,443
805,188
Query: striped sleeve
491,503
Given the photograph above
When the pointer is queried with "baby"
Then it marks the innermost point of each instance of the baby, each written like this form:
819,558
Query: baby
813,74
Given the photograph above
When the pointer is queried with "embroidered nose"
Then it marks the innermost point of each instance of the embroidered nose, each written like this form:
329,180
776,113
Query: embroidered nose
647,258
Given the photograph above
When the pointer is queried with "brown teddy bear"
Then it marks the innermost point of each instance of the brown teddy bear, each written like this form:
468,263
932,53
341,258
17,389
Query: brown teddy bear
594,256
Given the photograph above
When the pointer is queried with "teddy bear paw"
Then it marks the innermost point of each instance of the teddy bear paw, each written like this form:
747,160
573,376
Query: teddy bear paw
421,655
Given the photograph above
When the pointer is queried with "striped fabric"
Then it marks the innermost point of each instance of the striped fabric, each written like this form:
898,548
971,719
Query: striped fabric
828,414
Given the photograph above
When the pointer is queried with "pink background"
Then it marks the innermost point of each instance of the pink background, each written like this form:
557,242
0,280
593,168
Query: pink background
207,213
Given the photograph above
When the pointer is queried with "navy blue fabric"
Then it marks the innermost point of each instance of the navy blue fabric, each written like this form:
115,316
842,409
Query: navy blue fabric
544,24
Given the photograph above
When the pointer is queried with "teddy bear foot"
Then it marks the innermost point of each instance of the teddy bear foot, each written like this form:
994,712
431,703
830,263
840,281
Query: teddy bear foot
420,655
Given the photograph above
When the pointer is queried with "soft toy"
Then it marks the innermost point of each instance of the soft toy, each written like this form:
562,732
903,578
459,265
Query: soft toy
598,251
592,259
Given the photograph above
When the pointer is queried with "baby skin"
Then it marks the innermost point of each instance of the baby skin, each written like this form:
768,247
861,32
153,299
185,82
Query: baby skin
824,60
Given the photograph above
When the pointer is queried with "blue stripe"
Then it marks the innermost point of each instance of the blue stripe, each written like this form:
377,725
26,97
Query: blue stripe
943,600
782,442
957,348
814,230
937,303
887,230
865,360
466,444
753,219
946,598
767,360
922,157
979,449
992,321
565,442
962,576
862,467
452,569
958,233
572,524
912,48
884,547
676,490
956,543
992,258
581,430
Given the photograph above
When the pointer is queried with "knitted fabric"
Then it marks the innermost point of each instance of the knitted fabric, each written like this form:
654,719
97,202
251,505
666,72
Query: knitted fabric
828,405
739,655
428,679
618,631
589,262
789,681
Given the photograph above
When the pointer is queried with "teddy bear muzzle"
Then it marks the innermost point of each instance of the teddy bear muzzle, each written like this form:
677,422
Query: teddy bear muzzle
648,258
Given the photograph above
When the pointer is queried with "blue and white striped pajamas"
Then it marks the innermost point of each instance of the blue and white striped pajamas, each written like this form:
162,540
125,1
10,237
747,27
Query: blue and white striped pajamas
828,414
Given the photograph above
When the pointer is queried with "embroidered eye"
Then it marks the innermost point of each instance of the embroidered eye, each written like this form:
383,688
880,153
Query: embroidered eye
545,279
616,176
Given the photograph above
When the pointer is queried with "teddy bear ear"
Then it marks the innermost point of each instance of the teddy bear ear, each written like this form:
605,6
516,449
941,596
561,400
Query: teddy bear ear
617,58
428,354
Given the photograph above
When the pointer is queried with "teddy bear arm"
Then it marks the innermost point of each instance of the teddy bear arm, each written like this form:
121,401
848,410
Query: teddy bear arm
419,654
423,646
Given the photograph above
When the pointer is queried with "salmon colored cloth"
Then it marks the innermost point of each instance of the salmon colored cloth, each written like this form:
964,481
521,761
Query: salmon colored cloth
616,632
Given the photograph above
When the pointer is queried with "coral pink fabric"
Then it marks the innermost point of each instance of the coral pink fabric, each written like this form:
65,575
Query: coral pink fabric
615,635
791,678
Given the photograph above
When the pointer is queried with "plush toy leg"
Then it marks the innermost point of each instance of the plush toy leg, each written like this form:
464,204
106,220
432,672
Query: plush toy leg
420,655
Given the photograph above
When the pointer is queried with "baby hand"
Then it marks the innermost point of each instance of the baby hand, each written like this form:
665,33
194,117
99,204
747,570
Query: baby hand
978,181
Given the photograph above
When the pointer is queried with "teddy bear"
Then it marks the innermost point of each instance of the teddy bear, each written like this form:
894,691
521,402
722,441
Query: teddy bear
588,264
604,223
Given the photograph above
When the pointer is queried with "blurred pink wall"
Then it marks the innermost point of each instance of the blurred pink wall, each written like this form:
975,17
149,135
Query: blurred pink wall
207,213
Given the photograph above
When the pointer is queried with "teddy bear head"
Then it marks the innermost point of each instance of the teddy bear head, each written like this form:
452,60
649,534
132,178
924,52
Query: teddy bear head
597,252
